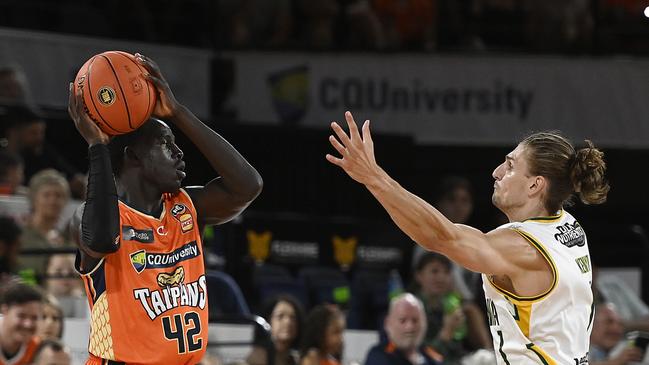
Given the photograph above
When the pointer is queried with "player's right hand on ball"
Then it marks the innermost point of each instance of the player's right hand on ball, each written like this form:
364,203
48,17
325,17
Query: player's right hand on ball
86,126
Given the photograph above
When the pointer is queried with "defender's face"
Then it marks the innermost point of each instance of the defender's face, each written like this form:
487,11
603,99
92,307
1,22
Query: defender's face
163,163
510,187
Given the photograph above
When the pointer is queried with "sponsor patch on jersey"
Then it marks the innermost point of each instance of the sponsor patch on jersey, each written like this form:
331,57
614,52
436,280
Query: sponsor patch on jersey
133,234
170,279
153,260
186,222
138,259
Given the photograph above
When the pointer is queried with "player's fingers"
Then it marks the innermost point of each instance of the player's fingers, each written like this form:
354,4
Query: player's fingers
334,160
149,64
367,136
353,129
339,147
159,83
341,134
71,102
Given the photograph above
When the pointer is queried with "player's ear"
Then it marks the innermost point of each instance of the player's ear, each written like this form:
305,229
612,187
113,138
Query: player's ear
537,184
131,155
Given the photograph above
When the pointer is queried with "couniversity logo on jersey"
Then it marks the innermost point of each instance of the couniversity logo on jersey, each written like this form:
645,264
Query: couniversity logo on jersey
570,235
149,260
157,302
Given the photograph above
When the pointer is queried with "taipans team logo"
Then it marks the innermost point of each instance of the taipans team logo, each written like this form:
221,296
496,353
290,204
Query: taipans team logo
138,259
106,95
177,277
289,89
181,213
344,250
259,245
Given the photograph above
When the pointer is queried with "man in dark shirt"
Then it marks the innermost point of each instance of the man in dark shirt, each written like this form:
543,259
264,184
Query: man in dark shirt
405,326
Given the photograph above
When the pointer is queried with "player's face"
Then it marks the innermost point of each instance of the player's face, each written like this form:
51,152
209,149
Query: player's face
512,178
163,163
283,323
20,320
434,278
405,326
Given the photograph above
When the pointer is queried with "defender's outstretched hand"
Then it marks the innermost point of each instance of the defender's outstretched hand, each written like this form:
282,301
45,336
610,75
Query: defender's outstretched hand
356,150
166,105
86,126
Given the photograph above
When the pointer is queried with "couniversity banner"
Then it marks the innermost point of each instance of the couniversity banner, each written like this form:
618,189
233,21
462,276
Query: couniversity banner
459,100
51,61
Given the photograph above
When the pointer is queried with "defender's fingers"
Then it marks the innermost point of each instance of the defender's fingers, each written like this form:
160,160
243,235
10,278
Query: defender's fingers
337,145
341,134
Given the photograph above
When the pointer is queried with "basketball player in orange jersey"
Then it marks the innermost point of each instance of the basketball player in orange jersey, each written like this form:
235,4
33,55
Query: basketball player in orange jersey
536,269
140,250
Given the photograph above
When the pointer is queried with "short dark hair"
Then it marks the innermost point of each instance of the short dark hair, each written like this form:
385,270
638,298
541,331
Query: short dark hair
137,137
18,293
429,257
55,345
9,230
8,161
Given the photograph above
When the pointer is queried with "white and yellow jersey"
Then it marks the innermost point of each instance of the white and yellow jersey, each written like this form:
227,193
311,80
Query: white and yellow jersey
554,327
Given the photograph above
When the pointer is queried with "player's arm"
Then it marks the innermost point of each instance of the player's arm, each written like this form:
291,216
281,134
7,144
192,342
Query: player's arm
97,220
502,251
239,183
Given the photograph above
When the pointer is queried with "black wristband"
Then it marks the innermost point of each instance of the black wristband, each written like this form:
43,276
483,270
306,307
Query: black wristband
100,220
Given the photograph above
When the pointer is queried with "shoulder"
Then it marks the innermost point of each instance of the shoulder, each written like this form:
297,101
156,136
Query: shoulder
377,353
517,246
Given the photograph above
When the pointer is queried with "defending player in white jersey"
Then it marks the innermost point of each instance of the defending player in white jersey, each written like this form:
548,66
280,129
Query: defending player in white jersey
536,269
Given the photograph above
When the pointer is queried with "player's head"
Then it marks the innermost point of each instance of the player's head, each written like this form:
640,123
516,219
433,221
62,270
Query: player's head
406,322
546,169
152,153
21,306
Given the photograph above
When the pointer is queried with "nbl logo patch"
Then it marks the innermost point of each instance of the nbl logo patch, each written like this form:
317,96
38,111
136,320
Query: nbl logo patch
182,214
106,95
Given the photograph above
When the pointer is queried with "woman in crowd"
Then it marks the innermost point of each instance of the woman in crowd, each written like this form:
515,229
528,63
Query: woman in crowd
322,343
285,316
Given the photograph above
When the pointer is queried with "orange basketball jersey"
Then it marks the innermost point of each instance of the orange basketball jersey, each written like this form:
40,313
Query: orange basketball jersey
25,355
148,300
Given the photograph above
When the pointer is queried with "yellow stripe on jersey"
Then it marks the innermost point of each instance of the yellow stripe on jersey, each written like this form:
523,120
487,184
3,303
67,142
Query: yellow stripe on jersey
543,356
548,219
522,312
555,273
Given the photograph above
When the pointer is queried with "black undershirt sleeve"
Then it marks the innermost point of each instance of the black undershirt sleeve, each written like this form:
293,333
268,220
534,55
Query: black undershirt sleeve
100,220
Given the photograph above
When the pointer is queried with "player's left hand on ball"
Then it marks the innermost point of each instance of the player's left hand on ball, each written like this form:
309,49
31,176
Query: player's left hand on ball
356,150
166,104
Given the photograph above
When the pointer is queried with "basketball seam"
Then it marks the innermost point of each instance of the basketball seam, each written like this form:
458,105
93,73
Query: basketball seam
128,111
93,101
148,89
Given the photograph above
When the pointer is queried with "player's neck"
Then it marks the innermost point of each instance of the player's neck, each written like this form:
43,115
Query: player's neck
139,195
527,211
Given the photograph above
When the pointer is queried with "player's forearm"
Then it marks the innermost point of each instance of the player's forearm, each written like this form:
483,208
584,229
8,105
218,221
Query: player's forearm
237,175
418,219
100,219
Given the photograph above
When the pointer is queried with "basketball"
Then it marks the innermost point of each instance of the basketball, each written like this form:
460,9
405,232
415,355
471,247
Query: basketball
116,95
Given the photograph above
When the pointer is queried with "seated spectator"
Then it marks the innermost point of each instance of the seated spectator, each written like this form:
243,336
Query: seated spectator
628,304
48,194
11,174
322,343
63,282
14,87
52,352
408,24
21,308
25,135
455,327
285,315
50,327
9,246
405,326
607,334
